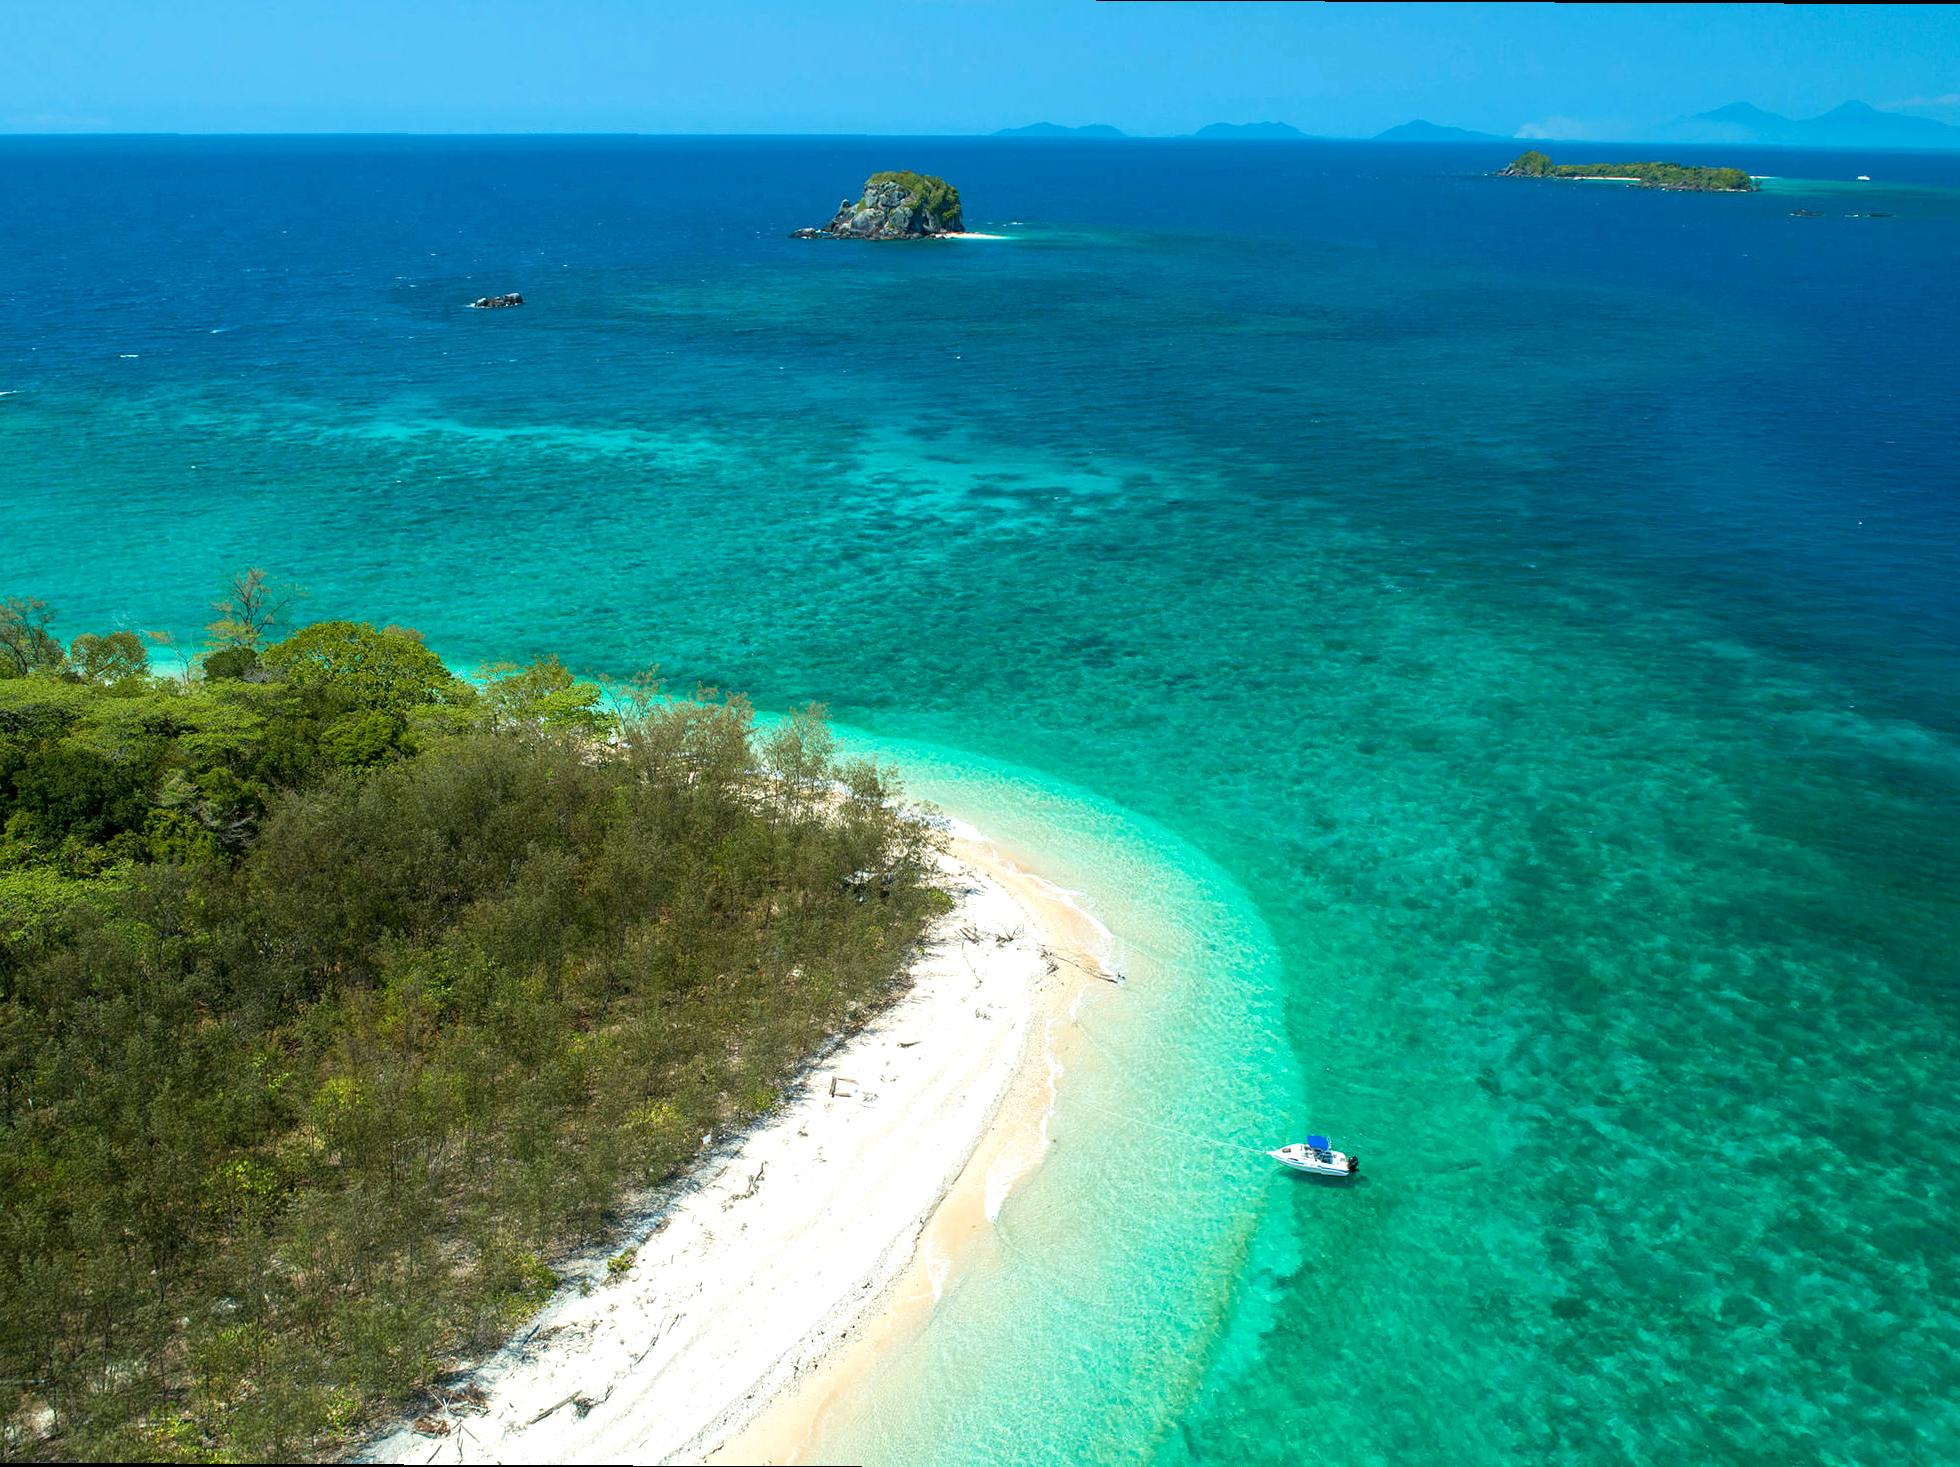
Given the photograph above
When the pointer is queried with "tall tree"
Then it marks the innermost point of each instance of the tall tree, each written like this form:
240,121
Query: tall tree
26,644
545,695
251,606
111,658
349,665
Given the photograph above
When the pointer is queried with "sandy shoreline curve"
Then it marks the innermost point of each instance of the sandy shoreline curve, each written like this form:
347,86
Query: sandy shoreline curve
766,1285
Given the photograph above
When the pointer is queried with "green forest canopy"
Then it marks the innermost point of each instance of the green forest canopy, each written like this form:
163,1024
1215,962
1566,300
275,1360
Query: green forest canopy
1534,164
339,997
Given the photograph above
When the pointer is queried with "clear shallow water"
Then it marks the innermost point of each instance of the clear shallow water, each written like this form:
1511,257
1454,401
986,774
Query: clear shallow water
1523,619
1145,1207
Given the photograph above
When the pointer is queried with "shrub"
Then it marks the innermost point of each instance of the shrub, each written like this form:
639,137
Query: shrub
939,198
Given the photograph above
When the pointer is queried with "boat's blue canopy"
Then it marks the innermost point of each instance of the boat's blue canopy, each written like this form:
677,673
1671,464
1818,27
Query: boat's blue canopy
1318,1143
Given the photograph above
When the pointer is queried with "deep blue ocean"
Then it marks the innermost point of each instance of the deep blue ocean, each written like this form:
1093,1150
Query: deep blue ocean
1525,612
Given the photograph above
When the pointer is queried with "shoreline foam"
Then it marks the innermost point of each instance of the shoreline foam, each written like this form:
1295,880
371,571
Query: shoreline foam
769,1281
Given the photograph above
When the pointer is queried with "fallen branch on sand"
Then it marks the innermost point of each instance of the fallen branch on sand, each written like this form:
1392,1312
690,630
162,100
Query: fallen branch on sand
1053,960
747,1192
577,1400
657,1334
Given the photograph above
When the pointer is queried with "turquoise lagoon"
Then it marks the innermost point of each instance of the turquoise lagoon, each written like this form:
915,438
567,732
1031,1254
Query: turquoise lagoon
1488,651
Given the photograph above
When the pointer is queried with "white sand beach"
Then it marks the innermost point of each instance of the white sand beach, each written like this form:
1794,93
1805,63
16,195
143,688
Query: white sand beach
766,1283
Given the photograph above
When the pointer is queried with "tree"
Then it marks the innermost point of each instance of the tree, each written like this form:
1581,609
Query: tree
251,606
230,664
545,695
167,641
349,665
366,736
800,756
109,659
26,644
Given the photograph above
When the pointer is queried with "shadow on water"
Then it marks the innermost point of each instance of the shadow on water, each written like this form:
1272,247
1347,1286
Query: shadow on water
1361,1181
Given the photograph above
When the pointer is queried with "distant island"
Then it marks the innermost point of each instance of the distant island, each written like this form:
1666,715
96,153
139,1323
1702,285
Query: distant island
1424,131
1057,130
1535,164
1248,131
895,205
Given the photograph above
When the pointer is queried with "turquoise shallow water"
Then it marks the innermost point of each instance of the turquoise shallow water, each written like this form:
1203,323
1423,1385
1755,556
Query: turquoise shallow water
1488,648
1033,1351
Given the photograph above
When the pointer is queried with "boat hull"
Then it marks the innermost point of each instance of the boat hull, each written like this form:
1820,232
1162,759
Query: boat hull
1317,1164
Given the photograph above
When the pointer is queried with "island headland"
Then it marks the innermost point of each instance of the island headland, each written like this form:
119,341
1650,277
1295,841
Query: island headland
573,1071
1679,176
895,205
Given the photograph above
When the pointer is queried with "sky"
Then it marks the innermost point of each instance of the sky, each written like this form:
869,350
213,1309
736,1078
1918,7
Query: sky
945,66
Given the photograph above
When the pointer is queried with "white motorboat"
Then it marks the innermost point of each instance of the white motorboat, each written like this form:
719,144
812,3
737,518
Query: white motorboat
1317,1157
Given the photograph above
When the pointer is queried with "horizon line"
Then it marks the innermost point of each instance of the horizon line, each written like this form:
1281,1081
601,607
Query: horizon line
1003,135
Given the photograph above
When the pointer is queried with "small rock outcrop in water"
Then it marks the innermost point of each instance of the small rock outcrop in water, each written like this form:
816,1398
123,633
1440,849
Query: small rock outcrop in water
496,302
895,206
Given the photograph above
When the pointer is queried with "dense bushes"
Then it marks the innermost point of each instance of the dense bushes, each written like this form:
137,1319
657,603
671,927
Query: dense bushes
337,998
939,198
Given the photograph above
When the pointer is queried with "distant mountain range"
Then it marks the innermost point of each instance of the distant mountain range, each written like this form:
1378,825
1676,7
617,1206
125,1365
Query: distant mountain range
1421,131
1213,132
1056,130
1247,131
1851,125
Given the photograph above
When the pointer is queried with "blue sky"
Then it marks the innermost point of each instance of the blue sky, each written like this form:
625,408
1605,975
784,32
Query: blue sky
928,66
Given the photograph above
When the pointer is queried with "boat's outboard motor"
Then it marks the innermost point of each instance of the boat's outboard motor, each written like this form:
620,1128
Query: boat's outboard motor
1354,1165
